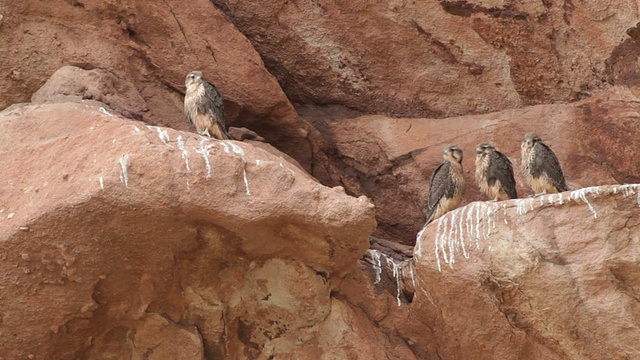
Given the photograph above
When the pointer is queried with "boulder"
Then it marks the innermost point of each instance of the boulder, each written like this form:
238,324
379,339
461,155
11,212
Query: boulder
551,277
123,239
73,84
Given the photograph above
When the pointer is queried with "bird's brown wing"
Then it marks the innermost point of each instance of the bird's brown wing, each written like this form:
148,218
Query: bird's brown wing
213,105
548,163
438,187
501,169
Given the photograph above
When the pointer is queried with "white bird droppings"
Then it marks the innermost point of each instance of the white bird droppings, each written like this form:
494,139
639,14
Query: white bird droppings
124,175
105,111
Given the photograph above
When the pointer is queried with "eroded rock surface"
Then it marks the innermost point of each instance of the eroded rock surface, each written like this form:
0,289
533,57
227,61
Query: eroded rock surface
391,160
73,84
551,277
162,243
441,58
153,45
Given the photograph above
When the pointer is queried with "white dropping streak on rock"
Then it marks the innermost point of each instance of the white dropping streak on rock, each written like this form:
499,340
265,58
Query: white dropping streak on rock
105,111
162,134
468,222
445,222
185,152
185,156
437,239
628,190
419,242
581,194
124,175
286,168
461,221
451,240
375,254
519,206
101,183
238,150
426,294
396,275
225,146
489,221
136,128
457,229
377,258
205,155
549,199
478,227
458,234
413,279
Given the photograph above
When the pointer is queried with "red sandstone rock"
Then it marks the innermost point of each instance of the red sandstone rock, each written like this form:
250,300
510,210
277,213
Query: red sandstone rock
113,229
442,58
551,277
153,45
242,134
391,160
73,84
122,240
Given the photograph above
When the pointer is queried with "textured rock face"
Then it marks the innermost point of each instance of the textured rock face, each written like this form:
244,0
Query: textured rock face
122,240
553,277
164,244
440,58
73,84
153,45
391,160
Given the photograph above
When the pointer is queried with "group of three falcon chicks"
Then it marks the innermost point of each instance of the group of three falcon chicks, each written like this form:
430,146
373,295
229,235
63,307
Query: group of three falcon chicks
494,175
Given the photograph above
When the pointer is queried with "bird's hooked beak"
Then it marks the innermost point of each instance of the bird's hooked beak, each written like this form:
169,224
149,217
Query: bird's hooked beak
479,150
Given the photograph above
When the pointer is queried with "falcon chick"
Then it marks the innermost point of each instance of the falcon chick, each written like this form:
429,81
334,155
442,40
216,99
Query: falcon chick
203,107
540,166
447,185
494,173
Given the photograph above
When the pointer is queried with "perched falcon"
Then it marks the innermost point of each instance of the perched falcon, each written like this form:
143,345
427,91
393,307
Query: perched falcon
203,107
494,173
446,187
540,166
